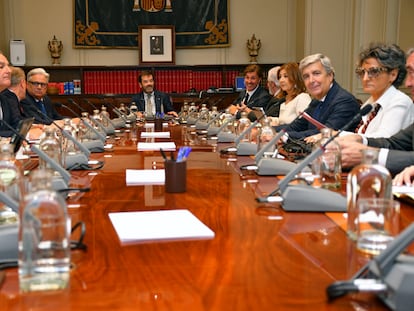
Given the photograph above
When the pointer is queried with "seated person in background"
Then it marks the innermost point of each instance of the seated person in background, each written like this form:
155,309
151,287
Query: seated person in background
11,116
253,96
36,98
331,105
381,68
273,106
150,101
397,151
16,91
293,91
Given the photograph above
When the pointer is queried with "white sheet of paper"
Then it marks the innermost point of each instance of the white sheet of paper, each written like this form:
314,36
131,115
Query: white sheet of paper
167,146
155,134
403,189
165,225
144,177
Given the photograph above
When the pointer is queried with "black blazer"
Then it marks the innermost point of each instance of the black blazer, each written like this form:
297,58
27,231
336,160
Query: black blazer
29,106
11,115
401,147
340,107
260,98
160,99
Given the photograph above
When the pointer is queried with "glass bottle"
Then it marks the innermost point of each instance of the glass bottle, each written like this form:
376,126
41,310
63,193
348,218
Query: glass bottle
243,124
123,109
50,145
230,126
68,146
44,245
184,112
204,114
10,174
84,132
327,168
104,116
367,180
192,114
266,134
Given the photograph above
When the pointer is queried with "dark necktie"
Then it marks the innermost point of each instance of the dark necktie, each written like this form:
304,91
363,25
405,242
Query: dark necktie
318,110
42,107
371,116
246,99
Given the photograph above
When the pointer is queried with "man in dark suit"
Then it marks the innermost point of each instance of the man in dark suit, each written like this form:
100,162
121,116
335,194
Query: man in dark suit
11,116
36,100
396,152
331,105
253,96
150,101
16,92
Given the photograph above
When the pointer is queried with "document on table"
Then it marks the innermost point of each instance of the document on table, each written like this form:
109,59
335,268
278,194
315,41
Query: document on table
155,134
403,192
144,177
156,226
167,146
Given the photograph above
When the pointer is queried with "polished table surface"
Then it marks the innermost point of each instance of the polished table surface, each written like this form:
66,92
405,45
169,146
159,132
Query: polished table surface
261,257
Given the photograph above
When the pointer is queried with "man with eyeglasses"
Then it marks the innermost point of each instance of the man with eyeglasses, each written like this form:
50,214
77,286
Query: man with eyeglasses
37,104
396,152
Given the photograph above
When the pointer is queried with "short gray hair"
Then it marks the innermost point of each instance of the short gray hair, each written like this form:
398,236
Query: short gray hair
311,59
272,74
17,76
37,71
410,51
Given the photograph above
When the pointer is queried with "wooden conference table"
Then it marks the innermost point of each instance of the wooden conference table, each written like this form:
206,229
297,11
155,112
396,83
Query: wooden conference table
261,257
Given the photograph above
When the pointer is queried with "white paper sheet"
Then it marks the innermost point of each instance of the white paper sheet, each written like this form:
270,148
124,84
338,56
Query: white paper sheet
403,189
155,134
152,226
167,146
144,177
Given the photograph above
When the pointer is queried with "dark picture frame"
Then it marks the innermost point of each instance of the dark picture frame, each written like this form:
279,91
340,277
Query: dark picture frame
156,44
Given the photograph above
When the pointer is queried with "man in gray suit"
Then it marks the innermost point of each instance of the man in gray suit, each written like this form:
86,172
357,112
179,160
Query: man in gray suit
396,152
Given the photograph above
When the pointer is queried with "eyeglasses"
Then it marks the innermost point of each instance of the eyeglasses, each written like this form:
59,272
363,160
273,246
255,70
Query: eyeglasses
373,72
37,84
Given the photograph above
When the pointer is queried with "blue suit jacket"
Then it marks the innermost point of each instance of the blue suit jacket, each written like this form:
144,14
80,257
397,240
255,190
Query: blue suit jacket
340,107
160,98
29,110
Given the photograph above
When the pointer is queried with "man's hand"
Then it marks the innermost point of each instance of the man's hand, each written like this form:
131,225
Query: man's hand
351,152
404,177
173,113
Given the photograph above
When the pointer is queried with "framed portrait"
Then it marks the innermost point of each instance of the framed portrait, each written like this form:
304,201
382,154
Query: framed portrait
156,44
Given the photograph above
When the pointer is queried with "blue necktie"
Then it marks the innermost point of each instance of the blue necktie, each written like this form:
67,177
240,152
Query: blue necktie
318,110
42,107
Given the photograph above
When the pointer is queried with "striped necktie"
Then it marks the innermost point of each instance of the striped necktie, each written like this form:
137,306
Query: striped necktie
371,116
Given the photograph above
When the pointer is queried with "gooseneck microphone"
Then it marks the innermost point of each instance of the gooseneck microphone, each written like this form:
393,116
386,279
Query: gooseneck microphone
110,129
307,198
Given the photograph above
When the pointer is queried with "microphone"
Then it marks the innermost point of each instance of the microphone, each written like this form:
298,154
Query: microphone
226,137
119,122
87,124
57,183
306,198
95,145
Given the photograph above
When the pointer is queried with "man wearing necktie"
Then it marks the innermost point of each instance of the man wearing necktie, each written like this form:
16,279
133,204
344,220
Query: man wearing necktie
332,105
150,101
36,99
254,95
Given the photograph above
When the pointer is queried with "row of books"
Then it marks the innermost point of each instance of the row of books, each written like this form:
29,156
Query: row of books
169,81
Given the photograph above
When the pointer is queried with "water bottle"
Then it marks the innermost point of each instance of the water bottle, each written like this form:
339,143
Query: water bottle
10,174
244,123
266,133
105,116
367,180
44,231
327,168
50,145
68,146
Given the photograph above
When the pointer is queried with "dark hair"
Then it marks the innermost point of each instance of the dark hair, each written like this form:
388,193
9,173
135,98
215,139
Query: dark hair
389,56
295,77
253,68
145,73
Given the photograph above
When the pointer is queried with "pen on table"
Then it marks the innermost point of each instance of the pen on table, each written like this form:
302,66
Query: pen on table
163,154
183,153
172,156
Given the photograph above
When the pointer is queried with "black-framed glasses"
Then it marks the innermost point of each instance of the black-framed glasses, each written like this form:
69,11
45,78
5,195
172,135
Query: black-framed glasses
372,72
37,84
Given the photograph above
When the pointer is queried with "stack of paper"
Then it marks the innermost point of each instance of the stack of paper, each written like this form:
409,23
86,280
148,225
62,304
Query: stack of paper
167,146
155,134
167,225
145,177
